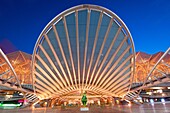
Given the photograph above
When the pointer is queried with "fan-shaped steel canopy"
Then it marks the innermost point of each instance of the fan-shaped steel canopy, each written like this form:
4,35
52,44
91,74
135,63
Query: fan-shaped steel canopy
86,47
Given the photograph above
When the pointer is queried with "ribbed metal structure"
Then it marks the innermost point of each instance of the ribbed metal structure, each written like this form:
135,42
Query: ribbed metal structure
86,47
12,78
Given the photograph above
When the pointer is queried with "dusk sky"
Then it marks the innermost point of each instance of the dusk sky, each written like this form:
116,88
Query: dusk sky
21,21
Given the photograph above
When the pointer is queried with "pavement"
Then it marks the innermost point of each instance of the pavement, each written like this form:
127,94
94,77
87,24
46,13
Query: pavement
146,108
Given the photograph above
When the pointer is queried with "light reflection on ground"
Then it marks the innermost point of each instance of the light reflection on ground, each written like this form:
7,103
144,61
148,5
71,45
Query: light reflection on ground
156,108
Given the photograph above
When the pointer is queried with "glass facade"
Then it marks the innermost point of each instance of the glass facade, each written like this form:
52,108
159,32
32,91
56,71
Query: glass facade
84,48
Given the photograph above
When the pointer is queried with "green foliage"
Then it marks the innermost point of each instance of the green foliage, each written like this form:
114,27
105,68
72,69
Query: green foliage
84,99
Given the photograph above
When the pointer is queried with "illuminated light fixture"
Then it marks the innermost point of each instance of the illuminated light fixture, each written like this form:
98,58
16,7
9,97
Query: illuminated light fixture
20,101
163,100
129,104
159,91
10,105
151,101
149,93
21,93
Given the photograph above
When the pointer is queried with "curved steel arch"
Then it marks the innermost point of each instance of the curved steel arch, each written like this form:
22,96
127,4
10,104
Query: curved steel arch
13,82
13,75
84,47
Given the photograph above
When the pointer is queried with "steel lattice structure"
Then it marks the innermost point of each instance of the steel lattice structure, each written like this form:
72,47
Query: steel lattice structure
13,78
21,62
10,68
159,73
145,62
86,47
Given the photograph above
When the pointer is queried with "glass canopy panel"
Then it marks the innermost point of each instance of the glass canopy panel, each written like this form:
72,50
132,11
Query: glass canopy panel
82,21
104,25
71,25
62,35
94,18
51,36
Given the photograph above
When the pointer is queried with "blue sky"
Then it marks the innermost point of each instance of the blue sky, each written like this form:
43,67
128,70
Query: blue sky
21,21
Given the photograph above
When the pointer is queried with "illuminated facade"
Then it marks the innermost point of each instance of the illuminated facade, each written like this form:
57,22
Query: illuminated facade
145,62
21,62
85,48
